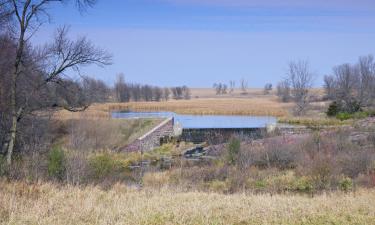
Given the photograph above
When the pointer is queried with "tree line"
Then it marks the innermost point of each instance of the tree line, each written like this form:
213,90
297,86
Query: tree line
350,87
125,92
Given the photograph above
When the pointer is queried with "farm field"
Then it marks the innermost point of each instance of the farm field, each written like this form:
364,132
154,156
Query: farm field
22,203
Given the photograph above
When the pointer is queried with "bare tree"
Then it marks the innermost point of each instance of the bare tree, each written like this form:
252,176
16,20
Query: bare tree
54,60
244,86
301,80
329,86
283,90
267,88
166,94
353,85
232,85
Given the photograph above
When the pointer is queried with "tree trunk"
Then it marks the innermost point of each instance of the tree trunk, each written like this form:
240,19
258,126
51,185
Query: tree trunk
13,100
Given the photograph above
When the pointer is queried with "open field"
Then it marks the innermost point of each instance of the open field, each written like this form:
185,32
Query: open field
46,203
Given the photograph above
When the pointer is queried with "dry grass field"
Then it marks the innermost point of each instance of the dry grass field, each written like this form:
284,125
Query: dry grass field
204,101
262,106
46,203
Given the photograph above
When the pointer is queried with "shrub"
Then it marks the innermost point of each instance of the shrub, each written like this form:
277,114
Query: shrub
333,109
56,163
303,184
346,184
102,164
234,146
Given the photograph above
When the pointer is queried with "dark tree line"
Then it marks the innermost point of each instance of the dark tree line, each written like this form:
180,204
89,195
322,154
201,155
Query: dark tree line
126,92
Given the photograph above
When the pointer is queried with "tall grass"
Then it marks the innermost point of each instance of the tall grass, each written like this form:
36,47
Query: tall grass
46,203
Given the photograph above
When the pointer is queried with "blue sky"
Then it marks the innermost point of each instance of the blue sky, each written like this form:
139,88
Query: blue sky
199,42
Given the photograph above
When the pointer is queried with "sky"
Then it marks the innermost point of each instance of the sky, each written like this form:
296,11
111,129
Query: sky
200,42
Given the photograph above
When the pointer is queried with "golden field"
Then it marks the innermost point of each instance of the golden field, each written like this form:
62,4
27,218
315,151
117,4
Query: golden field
262,106
47,203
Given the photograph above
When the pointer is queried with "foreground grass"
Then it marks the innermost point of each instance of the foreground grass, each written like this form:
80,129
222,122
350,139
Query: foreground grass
51,204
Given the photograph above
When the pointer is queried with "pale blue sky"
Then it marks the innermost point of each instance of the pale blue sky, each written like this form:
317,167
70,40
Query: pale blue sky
199,42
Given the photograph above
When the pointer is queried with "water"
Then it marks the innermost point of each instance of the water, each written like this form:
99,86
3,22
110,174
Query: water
203,121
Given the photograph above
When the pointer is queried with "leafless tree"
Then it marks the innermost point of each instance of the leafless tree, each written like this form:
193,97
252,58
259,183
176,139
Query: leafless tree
220,88
283,90
301,81
267,88
166,94
353,85
366,70
244,86
329,86
232,85
53,61
121,89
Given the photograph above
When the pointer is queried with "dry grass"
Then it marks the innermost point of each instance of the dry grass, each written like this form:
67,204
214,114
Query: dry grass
46,203
268,106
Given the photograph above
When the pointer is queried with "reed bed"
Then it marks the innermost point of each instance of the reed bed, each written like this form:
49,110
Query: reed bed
47,203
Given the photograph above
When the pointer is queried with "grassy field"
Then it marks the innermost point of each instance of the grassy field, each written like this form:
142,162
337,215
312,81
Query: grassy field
46,203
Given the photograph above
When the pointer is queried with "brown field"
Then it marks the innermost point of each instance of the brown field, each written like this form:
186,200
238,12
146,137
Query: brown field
46,203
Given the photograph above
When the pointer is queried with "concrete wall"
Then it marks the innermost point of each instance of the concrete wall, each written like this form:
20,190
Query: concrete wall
151,139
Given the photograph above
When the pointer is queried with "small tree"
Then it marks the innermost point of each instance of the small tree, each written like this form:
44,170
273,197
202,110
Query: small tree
244,86
267,88
234,147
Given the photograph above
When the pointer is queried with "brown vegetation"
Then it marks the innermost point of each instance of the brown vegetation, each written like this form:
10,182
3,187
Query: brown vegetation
22,203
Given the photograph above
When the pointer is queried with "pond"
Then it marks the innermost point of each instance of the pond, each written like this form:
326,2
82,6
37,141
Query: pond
203,121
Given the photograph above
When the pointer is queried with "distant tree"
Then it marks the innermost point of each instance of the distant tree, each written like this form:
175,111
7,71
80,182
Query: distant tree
244,86
352,87
166,94
283,90
186,92
220,88
157,93
232,85
122,90
301,81
329,86
267,88
95,90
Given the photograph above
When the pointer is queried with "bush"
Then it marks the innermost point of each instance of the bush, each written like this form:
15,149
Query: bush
333,109
234,146
346,184
56,163
102,165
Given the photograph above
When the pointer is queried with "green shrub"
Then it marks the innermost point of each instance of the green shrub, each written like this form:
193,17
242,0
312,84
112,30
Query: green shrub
56,163
234,146
102,164
346,184
303,184
333,109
